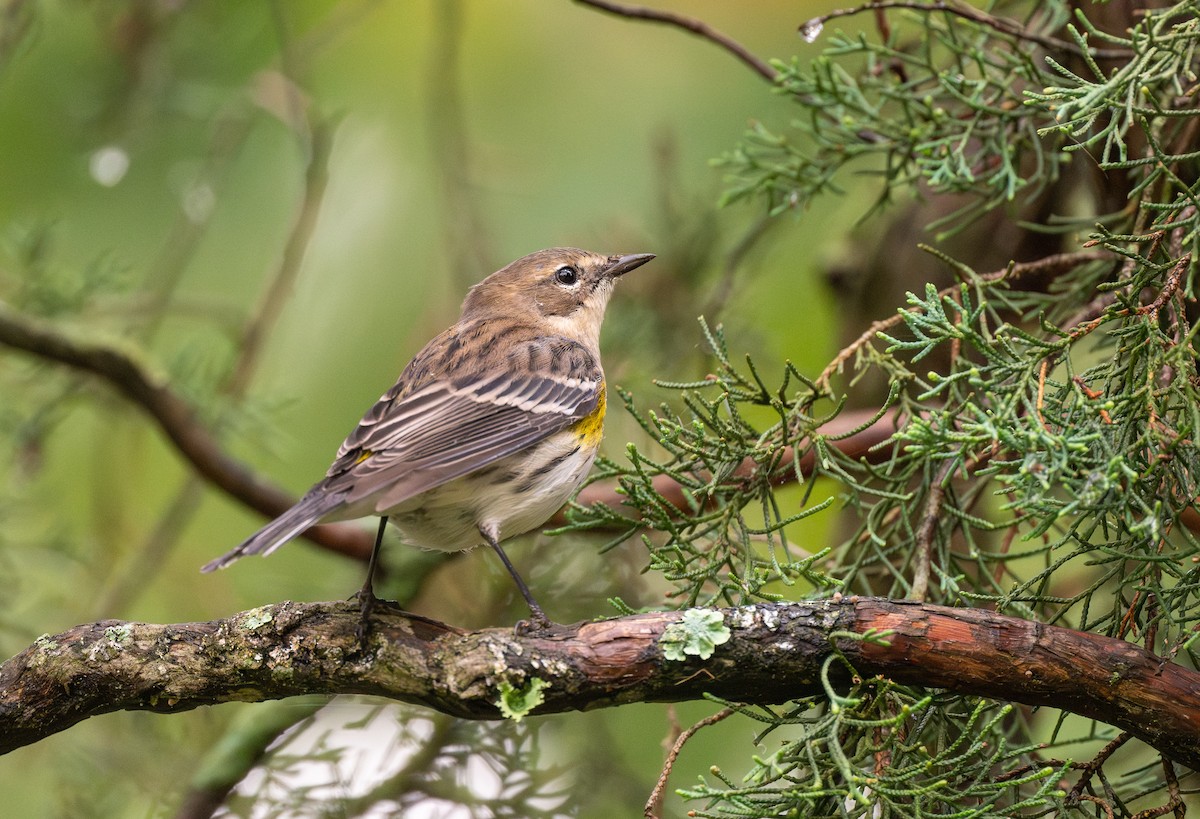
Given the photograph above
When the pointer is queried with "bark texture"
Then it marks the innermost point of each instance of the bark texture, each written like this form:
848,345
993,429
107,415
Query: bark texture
774,653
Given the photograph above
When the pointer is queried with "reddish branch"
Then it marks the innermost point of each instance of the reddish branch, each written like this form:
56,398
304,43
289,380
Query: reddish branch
843,432
774,654
653,809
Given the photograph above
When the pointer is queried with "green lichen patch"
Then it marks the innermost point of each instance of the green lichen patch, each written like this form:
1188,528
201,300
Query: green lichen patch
697,633
515,703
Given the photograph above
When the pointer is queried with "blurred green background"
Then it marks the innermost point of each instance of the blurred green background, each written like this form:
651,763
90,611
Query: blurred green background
153,162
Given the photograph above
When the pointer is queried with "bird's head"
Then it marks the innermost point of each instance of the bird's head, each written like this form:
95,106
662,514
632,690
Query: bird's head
563,287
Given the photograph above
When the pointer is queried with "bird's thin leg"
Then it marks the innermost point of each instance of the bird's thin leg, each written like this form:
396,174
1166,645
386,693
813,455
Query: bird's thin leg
539,618
366,595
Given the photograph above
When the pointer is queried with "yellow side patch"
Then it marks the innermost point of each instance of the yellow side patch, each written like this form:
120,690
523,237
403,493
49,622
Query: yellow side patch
366,453
590,428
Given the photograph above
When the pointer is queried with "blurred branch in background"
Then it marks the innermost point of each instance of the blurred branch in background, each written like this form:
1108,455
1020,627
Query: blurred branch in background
466,238
177,419
690,24
316,140
16,18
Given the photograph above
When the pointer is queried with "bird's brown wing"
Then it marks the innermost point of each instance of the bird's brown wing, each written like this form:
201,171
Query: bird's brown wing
414,439
408,443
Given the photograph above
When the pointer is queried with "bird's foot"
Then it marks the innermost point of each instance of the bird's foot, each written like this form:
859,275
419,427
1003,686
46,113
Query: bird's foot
367,604
538,623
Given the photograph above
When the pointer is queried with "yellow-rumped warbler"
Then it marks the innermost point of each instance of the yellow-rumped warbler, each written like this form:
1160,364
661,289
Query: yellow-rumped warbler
488,430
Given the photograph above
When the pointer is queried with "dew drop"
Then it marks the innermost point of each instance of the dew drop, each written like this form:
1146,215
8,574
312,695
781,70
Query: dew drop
811,30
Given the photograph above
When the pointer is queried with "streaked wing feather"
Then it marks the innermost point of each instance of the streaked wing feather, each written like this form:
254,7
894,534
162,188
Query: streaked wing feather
396,480
445,430
379,411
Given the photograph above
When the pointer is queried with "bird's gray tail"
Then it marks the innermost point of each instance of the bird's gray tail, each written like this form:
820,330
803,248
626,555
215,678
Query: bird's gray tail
310,509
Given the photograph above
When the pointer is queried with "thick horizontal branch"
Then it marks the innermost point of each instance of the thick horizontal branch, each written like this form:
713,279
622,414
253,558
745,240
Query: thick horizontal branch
774,654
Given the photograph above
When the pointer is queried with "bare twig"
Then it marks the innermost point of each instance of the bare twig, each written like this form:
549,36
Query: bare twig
1095,764
923,545
697,27
1096,800
654,803
1176,796
1000,24
1169,289
1174,803
1040,403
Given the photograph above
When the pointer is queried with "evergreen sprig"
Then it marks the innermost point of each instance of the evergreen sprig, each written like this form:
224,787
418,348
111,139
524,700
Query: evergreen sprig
945,112
1045,459
732,543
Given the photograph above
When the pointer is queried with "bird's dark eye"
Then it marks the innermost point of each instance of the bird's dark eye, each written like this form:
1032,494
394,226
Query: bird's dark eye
566,275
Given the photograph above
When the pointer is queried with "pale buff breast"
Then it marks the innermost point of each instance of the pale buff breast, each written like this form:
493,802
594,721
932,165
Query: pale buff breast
512,496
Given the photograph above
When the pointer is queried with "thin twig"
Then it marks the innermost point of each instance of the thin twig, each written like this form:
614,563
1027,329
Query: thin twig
1096,800
175,417
654,803
1057,263
1176,797
923,545
1095,764
1169,289
1040,405
697,27
1000,24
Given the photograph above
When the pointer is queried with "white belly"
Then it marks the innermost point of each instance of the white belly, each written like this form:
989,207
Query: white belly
511,497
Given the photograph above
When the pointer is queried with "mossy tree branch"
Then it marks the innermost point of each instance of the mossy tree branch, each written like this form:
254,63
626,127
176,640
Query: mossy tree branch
774,653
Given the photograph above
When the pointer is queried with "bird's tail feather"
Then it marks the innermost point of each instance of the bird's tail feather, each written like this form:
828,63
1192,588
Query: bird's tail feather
291,523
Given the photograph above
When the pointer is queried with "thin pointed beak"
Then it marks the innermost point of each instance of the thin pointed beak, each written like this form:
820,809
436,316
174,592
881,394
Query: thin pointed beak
623,264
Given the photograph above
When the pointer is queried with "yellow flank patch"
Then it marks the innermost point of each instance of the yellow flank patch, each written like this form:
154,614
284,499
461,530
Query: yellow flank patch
366,453
590,428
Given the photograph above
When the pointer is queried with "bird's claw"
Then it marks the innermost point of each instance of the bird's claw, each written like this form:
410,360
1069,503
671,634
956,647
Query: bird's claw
537,623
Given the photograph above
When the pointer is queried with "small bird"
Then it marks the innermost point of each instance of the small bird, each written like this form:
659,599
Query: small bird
489,429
